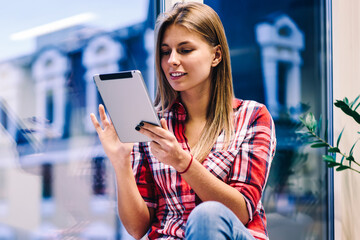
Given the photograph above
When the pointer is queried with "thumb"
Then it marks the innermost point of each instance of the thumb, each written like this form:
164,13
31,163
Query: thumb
164,124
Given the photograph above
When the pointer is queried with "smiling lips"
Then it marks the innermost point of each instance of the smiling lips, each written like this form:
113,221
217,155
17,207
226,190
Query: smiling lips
176,75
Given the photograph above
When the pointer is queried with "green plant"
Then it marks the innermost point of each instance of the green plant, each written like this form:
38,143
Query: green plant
311,132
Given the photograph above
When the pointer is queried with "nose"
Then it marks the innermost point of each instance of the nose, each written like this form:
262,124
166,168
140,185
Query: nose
174,58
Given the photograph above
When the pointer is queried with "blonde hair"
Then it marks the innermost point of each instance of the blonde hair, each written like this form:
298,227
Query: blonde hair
202,19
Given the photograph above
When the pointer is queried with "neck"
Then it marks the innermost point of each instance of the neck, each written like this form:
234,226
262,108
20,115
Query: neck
196,105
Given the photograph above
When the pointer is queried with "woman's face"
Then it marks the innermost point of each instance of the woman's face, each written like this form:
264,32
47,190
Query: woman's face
187,59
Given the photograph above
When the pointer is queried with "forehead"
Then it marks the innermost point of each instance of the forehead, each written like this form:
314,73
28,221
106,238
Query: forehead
175,33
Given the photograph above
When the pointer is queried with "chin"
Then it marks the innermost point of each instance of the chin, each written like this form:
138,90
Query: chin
177,88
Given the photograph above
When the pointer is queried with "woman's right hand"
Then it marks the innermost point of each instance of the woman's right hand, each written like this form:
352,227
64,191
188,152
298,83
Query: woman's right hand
131,206
117,152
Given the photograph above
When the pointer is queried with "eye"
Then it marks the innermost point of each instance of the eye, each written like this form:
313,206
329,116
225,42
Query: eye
186,50
164,52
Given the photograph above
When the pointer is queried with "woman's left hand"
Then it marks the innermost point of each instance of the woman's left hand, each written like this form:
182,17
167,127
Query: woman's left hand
167,150
164,145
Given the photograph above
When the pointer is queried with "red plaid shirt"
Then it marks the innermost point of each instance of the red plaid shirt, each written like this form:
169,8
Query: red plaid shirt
244,165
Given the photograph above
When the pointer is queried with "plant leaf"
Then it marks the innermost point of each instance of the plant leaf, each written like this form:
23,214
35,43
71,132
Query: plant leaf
340,103
342,159
347,110
352,148
356,107
354,102
342,167
310,122
301,132
328,158
333,164
350,158
338,140
334,150
356,116
343,106
319,145
304,134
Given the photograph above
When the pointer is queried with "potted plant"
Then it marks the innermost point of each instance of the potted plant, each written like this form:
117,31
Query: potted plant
311,132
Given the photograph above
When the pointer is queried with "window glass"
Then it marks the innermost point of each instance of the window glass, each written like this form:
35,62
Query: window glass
55,180
277,59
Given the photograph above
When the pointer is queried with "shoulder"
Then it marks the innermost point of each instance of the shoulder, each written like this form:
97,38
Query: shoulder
249,113
249,107
253,119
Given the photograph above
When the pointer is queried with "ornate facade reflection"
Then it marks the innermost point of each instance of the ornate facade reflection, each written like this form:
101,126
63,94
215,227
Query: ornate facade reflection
50,154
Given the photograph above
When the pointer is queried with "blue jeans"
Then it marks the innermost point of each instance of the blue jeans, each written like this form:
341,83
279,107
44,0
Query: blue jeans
213,220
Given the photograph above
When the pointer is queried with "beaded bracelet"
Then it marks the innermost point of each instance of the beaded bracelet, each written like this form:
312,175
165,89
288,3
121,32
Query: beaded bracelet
188,165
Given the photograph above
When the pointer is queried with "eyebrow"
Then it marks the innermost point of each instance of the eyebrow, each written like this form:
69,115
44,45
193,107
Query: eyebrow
180,44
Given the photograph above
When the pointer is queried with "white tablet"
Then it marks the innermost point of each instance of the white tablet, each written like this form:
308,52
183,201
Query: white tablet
127,102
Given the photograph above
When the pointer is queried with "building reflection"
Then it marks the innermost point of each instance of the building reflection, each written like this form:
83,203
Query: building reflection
277,57
55,181
281,42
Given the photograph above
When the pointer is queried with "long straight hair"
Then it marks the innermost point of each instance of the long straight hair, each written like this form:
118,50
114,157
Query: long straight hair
203,20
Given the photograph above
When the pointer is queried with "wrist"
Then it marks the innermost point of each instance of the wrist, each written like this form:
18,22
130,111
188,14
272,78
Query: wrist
120,162
187,166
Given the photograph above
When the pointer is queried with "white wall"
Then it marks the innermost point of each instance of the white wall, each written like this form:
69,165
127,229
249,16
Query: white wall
346,77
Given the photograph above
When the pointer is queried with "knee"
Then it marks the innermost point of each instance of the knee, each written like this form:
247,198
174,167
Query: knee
207,214
213,220
208,221
207,210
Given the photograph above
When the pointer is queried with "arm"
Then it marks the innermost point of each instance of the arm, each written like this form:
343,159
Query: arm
167,150
256,150
216,190
131,206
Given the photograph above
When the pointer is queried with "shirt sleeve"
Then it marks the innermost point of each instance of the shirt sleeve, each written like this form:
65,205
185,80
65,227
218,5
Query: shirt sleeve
143,177
252,164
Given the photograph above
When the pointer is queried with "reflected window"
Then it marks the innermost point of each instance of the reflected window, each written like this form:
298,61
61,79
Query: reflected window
99,176
47,181
282,69
275,48
49,107
47,68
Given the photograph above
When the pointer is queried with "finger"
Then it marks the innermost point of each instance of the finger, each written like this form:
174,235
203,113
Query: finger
164,124
156,130
103,117
155,148
149,133
95,122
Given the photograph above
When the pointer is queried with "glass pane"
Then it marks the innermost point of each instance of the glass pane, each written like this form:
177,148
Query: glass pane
278,59
55,180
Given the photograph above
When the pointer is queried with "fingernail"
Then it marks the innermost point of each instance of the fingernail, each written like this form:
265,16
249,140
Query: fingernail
137,128
141,124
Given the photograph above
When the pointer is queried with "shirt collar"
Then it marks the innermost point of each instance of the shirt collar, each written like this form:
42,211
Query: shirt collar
236,103
178,106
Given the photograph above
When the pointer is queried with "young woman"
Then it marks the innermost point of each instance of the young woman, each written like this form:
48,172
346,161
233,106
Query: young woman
203,174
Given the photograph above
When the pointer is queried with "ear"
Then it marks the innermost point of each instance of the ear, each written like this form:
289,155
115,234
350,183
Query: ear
217,56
